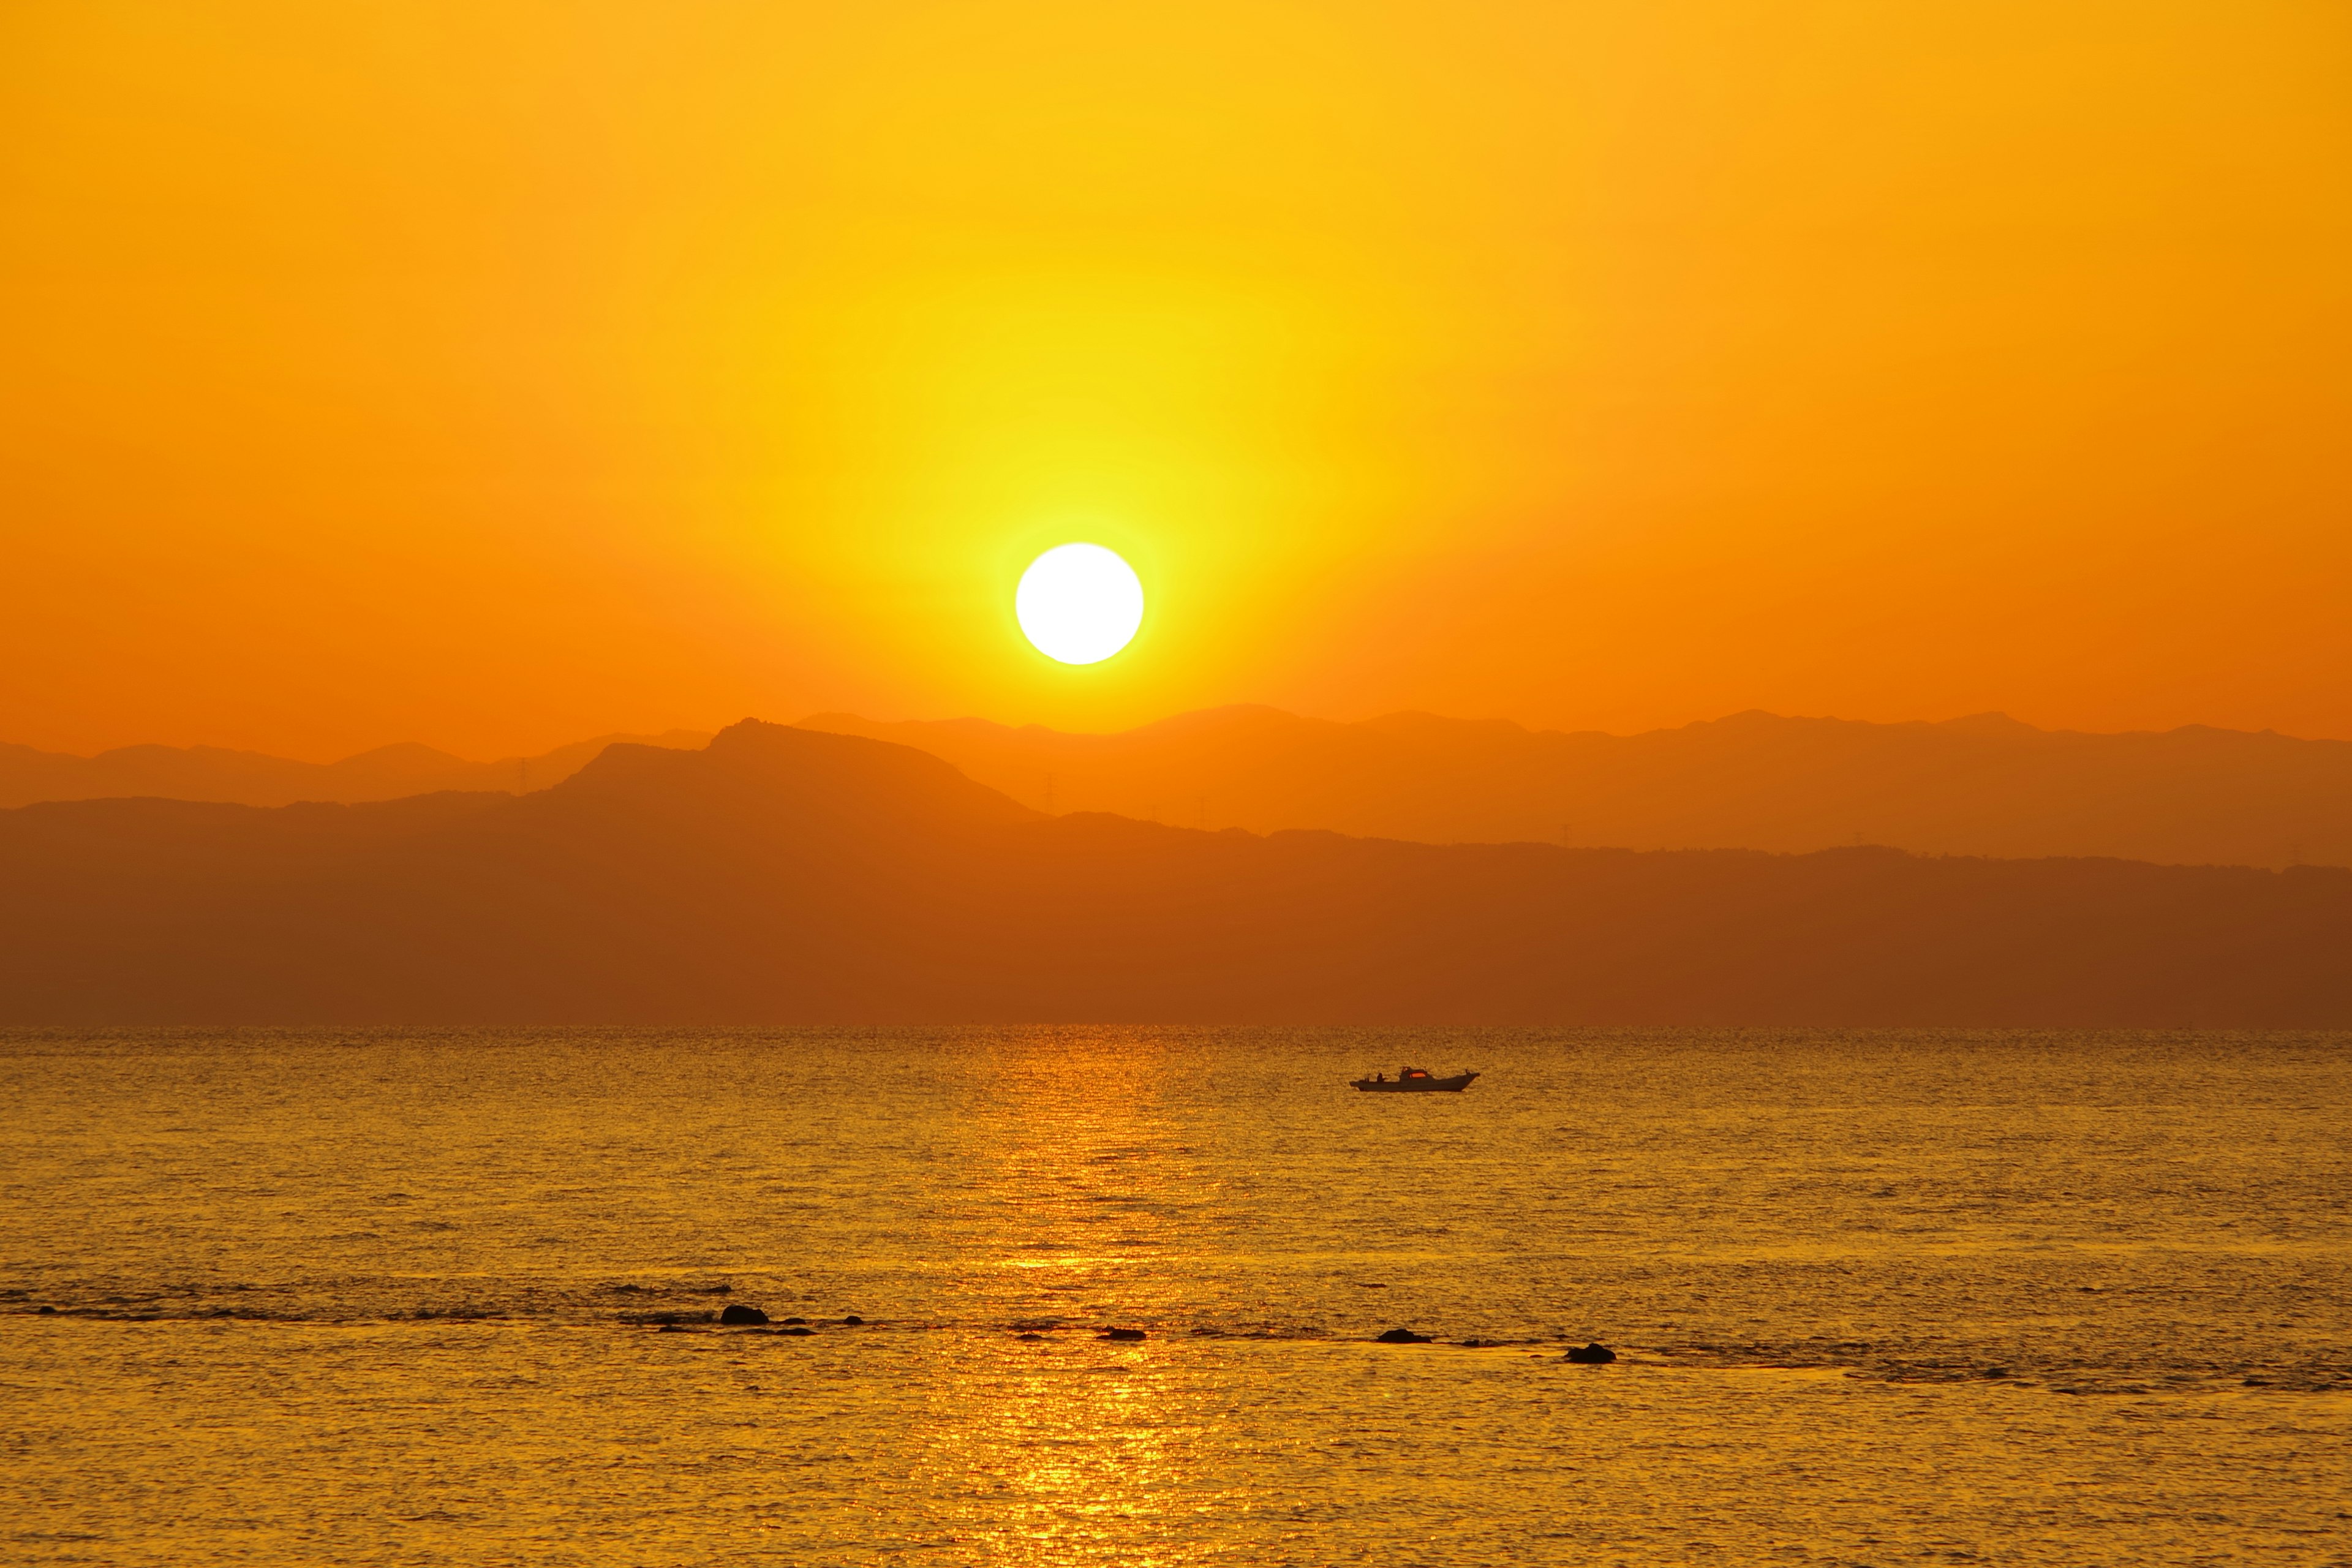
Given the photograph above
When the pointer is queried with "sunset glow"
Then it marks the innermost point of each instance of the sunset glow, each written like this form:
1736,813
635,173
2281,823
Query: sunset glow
1050,784
494,376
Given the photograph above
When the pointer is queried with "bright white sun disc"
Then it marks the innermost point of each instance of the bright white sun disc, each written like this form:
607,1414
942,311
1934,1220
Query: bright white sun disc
1079,603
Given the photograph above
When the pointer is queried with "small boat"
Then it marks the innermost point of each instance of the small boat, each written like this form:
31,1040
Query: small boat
1414,1081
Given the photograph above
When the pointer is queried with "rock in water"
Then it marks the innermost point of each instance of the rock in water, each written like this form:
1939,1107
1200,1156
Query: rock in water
1123,1333
1594,1354
739,1313
1404,1337
852,1321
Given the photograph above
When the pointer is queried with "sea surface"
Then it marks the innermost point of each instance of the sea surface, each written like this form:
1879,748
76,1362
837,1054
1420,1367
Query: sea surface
448,1297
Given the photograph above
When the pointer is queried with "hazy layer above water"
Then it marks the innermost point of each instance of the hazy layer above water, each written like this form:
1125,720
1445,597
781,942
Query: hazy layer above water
786,876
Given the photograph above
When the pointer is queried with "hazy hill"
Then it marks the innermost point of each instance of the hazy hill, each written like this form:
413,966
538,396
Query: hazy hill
785,875
252,778
1985,786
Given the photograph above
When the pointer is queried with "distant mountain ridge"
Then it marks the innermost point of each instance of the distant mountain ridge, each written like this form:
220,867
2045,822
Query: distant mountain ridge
253,778
1985,784
1981,785
788,876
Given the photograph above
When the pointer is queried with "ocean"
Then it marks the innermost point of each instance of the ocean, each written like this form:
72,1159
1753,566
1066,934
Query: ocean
419,1297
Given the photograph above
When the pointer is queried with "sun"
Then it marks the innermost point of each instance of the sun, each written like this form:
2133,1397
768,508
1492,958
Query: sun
1079,603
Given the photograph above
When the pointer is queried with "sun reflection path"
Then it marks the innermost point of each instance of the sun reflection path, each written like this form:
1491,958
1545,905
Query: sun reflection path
1064,1447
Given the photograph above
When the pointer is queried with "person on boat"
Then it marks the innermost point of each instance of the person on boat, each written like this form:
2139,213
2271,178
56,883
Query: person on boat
1379,1077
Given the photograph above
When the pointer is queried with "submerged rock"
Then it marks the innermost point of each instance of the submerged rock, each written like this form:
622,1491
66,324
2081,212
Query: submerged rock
1030,1337
737,1312
1123,1333
798,1333
796,1319
852,1321
1404,1337
1594,1354
46,1313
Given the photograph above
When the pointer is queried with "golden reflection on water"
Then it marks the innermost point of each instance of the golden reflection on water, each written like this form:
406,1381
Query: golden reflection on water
1065,1453
389,1300
1067,1448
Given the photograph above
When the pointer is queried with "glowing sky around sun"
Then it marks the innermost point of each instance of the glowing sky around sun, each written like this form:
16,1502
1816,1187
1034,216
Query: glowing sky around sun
497,373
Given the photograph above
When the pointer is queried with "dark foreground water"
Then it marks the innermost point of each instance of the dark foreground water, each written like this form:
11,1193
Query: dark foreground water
334,1297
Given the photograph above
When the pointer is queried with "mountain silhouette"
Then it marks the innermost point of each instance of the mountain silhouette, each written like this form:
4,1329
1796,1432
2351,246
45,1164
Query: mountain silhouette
252,778
1981,785
783,875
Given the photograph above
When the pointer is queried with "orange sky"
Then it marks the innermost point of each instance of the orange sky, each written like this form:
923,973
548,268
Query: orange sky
496,374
